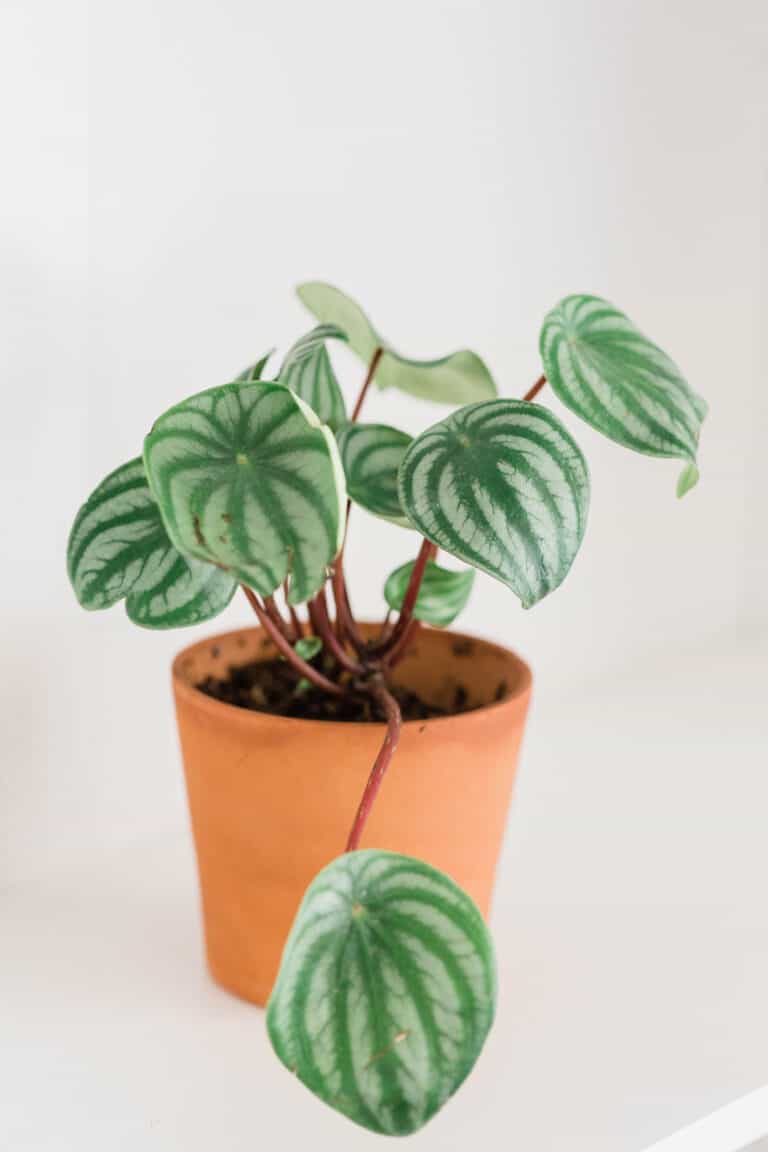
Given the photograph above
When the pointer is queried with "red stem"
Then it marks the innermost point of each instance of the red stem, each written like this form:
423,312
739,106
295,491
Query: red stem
347,626
283,646
395,654
322,623
391,710
298,631
535,388
274,614
395,637
367,383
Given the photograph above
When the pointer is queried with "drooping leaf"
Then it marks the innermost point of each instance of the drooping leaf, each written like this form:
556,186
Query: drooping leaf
119,549
503,486
256,371
307,371
456,379
608,373
371,455
386,990
307,647
442,594
247,477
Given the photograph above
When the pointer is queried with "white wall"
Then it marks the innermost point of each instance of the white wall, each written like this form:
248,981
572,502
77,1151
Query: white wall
457,167
169,173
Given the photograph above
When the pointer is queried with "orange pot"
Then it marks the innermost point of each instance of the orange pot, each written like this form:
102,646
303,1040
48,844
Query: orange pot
273,799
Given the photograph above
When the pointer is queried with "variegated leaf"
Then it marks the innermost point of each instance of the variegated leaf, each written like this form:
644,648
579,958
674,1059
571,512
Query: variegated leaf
119,549
455,379
307,371
503,486
442,594
247,477
608,373
386,990
256,371
371,455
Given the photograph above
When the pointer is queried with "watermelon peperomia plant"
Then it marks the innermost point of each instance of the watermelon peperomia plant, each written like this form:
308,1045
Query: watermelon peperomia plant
387,989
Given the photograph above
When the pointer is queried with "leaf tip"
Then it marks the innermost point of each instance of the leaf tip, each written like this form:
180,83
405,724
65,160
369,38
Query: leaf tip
688,478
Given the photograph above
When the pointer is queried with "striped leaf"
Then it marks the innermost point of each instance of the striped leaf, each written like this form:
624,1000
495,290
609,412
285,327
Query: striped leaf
442,594
247,477
456,379
503,486
256,371
371,455
608,373
119,549
386,990
307,371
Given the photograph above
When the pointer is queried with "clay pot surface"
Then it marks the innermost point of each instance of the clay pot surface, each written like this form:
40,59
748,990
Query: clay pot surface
272,799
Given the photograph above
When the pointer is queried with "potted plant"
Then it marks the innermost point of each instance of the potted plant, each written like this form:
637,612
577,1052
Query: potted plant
386,985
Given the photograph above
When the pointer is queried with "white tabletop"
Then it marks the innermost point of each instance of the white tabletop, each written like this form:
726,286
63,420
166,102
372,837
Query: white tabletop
629,922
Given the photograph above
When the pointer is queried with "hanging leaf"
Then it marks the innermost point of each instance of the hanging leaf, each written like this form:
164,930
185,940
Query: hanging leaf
256,371
307,371
442,594
455,379
119,549
247,477
372,454
504,487
608,373
307,647
386,990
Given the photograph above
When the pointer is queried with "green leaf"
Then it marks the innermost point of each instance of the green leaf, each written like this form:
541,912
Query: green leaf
455,379
503,486
688,478
442,595
307,371
247,477
386,990
256,371
607,372
119,549
308,647
372,454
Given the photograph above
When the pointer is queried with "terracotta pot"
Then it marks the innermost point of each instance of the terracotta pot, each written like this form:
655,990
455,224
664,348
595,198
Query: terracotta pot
272,799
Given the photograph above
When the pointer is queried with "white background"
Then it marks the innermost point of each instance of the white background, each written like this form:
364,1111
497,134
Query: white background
172,171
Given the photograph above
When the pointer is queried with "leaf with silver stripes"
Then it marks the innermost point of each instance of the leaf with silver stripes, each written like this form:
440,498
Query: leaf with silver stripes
386,990
307,371
372,454
247,477
256,371
607,372
442,594
119,549
503,486
455,379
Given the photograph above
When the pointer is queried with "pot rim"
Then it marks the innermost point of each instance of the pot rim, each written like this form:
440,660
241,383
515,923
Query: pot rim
249,716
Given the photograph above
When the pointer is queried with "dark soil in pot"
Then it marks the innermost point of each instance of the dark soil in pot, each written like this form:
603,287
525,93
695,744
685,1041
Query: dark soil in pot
271,686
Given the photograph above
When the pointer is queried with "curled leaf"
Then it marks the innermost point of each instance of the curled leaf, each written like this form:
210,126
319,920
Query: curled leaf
307,371
455,379
606,371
